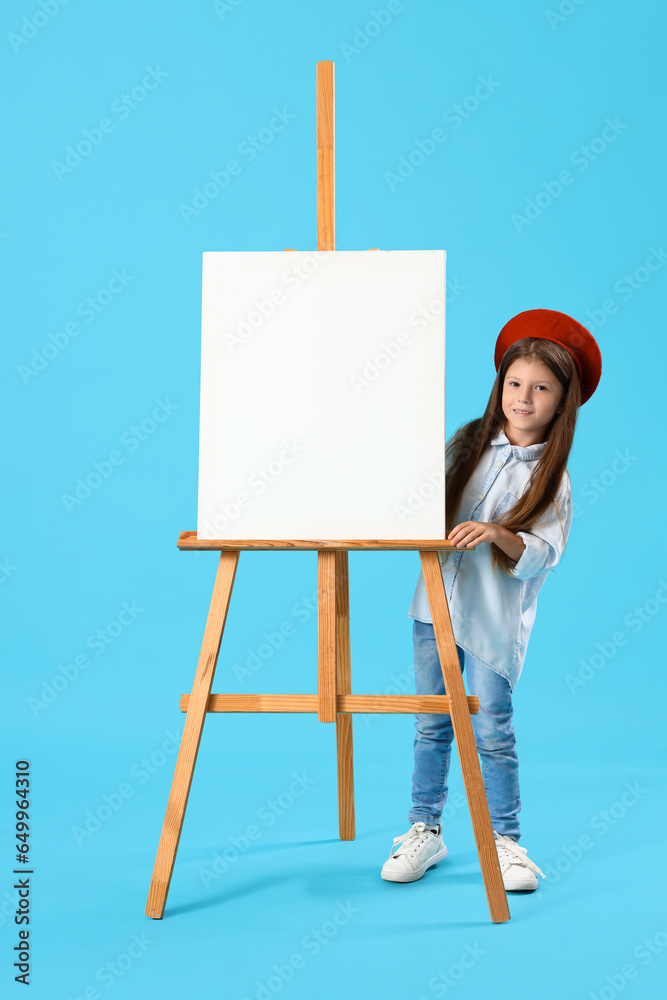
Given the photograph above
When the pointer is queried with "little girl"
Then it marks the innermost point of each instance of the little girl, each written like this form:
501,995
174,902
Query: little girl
508,493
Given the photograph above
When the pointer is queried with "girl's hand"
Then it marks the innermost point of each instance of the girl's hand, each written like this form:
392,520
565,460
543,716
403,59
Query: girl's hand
473,532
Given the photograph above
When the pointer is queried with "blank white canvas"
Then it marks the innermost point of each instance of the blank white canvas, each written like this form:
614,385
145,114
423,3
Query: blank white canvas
322,395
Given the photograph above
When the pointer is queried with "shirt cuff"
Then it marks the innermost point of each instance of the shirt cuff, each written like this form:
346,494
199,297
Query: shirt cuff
534,558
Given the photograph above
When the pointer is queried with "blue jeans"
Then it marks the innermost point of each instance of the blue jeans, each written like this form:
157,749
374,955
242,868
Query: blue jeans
494,737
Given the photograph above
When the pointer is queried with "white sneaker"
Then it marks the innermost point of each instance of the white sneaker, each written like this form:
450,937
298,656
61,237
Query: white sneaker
517,869
420,849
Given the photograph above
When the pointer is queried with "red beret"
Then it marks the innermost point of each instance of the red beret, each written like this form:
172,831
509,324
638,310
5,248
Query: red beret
562,329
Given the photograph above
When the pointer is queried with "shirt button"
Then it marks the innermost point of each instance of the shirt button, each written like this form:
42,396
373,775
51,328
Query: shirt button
479,496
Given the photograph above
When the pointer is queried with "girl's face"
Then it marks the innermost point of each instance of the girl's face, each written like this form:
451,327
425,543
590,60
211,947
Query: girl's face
531,397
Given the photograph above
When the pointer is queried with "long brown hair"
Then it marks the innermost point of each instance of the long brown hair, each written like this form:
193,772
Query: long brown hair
474,437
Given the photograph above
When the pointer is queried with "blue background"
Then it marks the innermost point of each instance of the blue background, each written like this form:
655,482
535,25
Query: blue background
588,739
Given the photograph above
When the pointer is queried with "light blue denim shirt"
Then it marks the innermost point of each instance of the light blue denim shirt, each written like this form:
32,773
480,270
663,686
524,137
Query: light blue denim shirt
493,613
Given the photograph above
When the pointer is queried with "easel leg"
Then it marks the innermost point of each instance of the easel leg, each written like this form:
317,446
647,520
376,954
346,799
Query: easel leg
344,754
194,723
465,738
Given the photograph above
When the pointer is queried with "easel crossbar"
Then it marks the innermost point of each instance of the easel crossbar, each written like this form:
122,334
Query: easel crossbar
368,704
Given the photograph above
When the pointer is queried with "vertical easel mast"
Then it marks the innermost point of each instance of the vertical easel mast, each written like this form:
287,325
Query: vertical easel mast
326,182
334,667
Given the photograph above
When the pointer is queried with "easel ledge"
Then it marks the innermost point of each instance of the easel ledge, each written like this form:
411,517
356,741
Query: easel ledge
188,540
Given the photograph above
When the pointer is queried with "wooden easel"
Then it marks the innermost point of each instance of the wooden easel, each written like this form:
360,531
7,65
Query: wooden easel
334,701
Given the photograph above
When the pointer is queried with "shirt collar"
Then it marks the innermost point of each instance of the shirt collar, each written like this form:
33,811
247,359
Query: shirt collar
528,454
